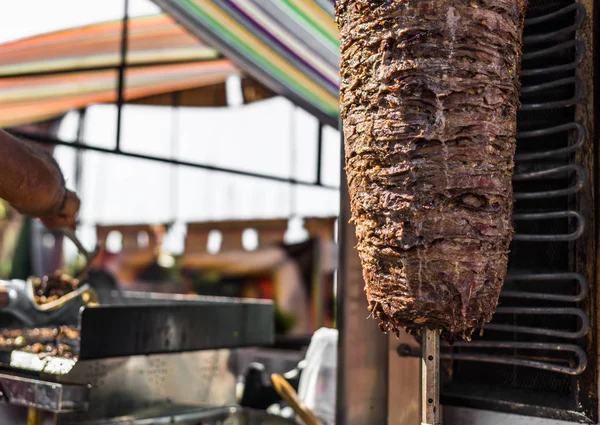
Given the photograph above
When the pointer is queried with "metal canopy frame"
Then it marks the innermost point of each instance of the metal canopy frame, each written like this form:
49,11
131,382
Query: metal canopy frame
38,138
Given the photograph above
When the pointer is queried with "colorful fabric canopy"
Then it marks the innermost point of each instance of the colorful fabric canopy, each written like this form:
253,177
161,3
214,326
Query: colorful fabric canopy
290,46
155,38
47,75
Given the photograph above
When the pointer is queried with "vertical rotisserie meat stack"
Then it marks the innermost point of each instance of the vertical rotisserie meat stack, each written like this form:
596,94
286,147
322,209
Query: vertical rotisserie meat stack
429,99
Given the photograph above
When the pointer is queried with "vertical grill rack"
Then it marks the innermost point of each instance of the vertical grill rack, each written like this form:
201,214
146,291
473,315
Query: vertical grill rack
542,161
537,336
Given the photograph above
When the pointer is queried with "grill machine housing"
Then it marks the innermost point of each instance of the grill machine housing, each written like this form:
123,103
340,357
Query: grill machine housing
541,333
538,355
141,351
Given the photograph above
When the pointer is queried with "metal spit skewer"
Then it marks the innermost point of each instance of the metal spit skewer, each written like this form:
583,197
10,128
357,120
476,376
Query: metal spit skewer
430,378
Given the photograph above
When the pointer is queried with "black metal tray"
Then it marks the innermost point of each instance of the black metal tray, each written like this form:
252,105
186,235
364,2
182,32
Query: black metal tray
144,323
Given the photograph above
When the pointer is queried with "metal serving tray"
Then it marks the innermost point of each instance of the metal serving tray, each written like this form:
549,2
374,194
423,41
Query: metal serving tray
147,323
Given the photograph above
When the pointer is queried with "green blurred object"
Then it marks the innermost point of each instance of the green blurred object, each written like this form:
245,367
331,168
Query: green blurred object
76,264
5,268
283,322
213,284
22,266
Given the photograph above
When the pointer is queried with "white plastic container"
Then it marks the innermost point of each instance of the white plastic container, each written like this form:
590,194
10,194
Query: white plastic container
318,380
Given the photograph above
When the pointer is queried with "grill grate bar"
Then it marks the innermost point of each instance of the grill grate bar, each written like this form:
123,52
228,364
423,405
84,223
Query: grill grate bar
553,15
534,311
551,172
582,287
549,36
406,350
534,88
558,48
572,127
577,97
566,237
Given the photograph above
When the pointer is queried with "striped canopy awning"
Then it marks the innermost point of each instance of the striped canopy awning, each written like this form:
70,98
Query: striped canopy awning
290,46
45,76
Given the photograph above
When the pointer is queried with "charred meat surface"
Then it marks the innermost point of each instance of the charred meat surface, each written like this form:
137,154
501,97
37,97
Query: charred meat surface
60,341
51,288
55,350
429,98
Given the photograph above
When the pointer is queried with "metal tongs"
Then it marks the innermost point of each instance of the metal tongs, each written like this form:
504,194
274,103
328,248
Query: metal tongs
89,257
430,377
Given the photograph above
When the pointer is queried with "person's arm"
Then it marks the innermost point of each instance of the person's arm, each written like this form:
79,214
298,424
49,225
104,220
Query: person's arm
31,181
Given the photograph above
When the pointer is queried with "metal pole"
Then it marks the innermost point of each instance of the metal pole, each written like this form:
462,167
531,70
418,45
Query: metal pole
122,68
319,153
79,152
174,169
293,159
43,139
430,378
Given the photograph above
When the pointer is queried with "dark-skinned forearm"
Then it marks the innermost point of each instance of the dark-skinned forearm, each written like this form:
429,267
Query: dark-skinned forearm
30,180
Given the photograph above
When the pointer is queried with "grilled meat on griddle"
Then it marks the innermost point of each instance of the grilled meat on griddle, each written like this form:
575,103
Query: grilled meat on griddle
61,341
51,288
56,350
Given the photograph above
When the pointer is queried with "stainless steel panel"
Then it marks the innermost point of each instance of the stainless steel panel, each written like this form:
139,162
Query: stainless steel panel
121,386
44,395
464,416
207,416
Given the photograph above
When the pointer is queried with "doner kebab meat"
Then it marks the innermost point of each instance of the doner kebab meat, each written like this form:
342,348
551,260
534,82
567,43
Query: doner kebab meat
429,100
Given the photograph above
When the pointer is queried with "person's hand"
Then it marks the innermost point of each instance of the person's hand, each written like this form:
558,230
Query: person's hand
65,218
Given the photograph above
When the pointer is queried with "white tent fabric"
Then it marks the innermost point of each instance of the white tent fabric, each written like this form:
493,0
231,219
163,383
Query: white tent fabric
271,137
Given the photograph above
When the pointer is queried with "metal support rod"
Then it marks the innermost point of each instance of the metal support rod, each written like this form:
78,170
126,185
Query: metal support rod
430,378
79,151
317,280
38,138
293,156
122,68
173,169
319,153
